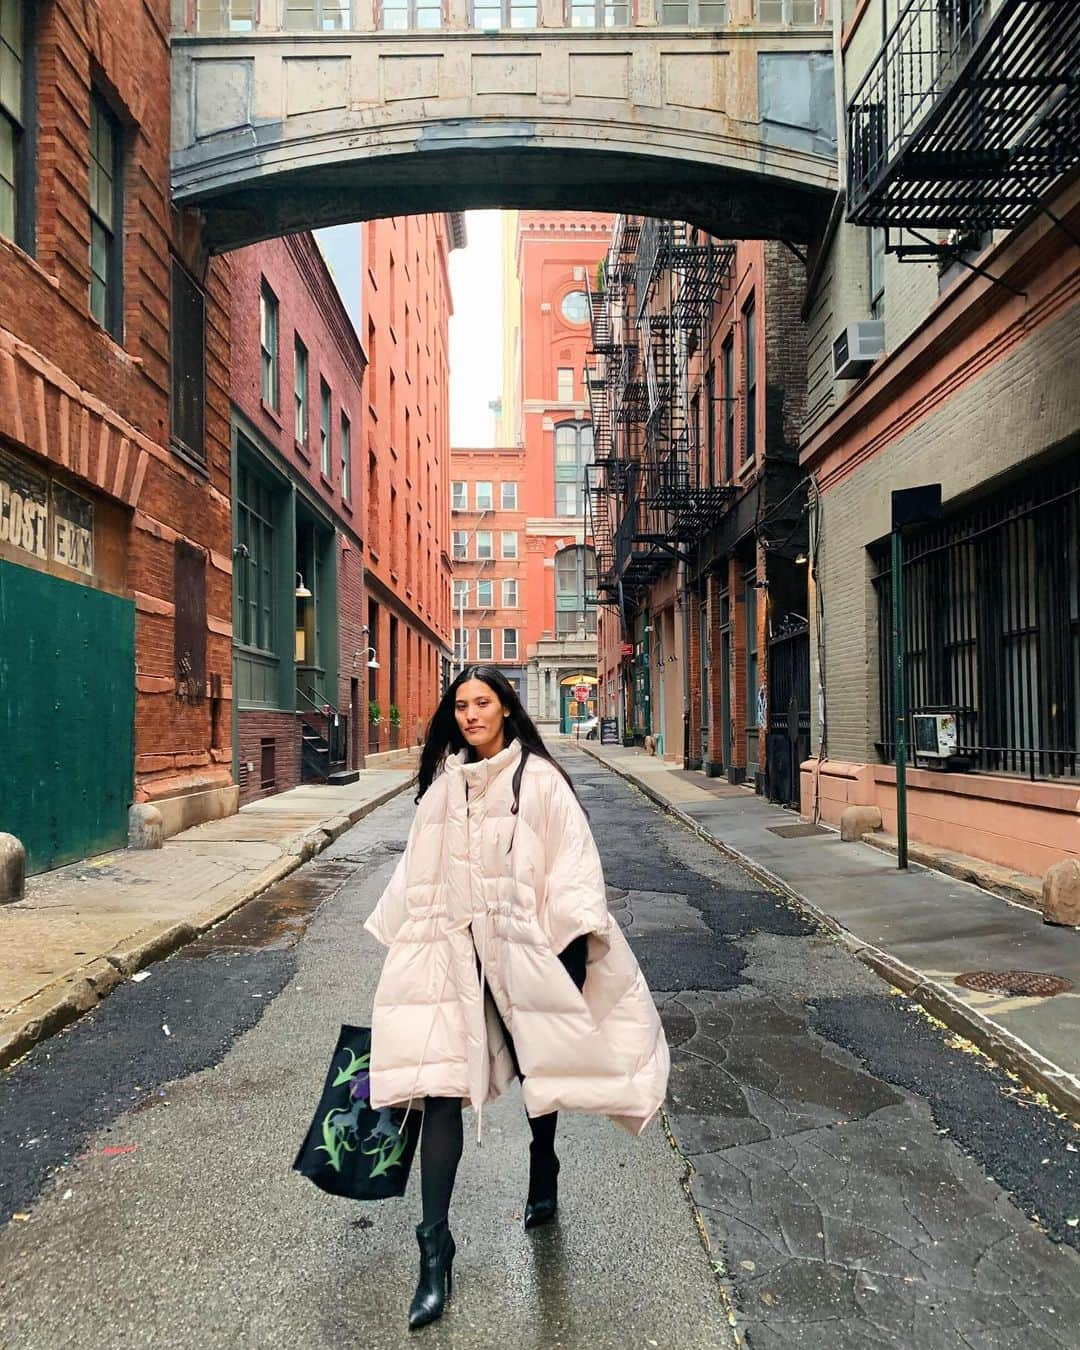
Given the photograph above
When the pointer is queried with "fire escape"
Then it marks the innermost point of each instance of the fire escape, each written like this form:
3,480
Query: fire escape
967,117
650,493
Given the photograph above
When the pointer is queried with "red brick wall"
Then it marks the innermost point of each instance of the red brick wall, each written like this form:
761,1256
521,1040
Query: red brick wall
406,303
98,408
284,729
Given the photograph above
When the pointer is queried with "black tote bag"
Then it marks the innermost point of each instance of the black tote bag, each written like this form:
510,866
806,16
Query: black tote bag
351,1149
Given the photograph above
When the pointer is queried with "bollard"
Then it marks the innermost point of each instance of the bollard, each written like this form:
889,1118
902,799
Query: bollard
146,826
12,869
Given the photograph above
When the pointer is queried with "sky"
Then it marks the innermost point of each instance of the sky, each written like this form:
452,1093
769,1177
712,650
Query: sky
476,331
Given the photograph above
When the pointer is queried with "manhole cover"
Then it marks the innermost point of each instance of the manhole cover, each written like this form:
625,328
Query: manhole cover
796,831
1018,983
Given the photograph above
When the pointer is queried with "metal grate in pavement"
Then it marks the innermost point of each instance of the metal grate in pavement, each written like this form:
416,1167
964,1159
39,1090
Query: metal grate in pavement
802,831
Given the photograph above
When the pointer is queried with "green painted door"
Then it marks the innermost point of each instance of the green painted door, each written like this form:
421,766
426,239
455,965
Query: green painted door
67,712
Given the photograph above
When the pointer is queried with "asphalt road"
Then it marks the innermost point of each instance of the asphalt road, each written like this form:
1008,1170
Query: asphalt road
859,1176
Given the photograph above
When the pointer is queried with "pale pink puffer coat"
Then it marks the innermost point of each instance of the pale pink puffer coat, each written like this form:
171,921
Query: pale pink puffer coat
527,885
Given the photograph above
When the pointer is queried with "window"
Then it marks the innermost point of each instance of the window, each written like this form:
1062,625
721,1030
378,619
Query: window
494,14
300,392
510,644
787,11
217,16
510,593
992,618
509,496
697,13
461,593
876,248
509,544
318,14
16,125
750,369
106,217
483,544
485,646
564,384
461,645
728,356
459,496
268,343
575,584
484,498
460,545
346,458
326,448
254,577
710,424
573,451
598,14
403,14
575,307
187,361
752,679
484,596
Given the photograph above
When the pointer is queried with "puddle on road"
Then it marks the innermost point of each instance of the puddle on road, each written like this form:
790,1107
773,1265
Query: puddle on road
278,918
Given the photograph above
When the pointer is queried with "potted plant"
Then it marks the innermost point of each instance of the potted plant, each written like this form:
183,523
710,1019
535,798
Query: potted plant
395,725
374,713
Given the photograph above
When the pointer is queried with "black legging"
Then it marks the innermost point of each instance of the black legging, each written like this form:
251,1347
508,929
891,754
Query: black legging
442,1135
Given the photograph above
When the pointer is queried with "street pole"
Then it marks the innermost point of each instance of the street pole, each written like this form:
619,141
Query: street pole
910,506
899,696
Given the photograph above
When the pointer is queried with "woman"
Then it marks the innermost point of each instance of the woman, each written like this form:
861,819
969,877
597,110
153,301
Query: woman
503,962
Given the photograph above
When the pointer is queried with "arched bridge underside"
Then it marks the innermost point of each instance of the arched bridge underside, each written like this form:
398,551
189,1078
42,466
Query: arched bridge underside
731,130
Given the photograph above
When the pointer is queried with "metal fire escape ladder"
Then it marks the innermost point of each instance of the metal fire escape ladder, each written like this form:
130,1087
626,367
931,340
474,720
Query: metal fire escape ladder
968,115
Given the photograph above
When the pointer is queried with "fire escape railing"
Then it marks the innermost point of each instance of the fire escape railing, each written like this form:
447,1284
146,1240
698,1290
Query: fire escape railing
967,116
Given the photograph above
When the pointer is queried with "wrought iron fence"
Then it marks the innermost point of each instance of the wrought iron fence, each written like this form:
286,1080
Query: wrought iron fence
992,627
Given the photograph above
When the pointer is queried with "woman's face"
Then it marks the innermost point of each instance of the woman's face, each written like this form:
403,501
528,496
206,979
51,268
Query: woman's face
480,716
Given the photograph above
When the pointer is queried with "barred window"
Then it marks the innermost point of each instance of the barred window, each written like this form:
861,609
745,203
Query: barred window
992,627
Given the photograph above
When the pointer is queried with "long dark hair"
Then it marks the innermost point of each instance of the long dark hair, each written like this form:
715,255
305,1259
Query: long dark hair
444,736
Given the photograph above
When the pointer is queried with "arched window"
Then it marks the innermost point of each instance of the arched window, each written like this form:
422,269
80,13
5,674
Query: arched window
575,584
573,451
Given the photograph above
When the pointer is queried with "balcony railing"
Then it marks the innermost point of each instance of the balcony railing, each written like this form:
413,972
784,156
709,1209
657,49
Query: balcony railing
967,116
336,16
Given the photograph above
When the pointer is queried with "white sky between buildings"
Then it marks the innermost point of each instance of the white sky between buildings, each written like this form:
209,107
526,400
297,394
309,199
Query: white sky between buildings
475,327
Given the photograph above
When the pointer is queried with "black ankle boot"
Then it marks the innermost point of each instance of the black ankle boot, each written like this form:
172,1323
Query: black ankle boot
436,1274
543,1198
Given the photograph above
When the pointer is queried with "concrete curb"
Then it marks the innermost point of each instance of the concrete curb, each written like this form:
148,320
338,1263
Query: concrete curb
1034,1070
59,1005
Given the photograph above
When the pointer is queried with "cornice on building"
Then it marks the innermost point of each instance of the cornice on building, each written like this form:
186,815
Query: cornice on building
455,229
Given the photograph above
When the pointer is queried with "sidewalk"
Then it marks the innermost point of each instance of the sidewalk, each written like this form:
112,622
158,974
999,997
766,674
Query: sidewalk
82,929
918,929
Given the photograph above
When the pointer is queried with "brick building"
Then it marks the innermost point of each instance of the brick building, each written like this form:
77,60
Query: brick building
545,411
488,522
405,464
115,568
698,503
946,344
300,655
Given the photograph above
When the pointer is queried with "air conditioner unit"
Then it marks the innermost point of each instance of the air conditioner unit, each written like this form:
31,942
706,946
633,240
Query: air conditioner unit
857,347
933,735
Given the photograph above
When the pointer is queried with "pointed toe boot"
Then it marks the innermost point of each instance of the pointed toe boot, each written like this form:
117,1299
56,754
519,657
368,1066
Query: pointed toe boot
436,1274
543,1198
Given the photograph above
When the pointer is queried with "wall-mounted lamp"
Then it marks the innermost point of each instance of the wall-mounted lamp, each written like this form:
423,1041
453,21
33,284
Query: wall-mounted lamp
801,559
649,628
372,663
302,592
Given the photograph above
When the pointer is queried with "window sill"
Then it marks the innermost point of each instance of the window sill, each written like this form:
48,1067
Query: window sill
326,482
373,554
745,470
302,451
347,506
190,458
272,413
